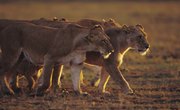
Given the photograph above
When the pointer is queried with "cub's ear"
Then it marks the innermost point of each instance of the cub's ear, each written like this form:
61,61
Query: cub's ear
139,26
98,27
55,19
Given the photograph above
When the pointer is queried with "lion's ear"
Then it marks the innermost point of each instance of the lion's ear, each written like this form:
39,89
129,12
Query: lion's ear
42,18
125,28
55,19
63,19
139,26
98,27
111,20
103,20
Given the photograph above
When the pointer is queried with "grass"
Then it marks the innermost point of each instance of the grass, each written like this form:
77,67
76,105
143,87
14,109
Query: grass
155,76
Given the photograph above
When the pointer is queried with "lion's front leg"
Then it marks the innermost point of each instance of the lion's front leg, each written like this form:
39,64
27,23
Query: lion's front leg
45,78
75,75
103,81
117,76
56,77
111,65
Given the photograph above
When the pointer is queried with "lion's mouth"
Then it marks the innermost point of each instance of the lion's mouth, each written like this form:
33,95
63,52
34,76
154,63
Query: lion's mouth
143,51
106,55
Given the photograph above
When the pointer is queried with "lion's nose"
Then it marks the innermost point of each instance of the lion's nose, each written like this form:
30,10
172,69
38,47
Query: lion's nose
147,46
111,49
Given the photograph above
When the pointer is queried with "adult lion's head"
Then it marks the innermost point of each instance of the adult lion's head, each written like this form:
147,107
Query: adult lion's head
98,37
137,38
110,23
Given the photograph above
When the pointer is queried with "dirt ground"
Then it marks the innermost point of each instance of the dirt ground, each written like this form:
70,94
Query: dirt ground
155,77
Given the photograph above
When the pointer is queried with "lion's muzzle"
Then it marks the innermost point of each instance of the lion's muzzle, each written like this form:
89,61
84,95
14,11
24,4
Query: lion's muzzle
108,52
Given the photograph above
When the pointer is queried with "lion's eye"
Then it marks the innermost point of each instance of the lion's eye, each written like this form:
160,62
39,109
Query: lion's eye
140,36
91,36
103,41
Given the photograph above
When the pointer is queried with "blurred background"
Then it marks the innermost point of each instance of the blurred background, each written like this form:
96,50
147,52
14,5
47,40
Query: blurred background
155,76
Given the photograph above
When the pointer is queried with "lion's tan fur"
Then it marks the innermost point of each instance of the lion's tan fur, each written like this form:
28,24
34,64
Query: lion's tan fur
118,37
43,44
122,39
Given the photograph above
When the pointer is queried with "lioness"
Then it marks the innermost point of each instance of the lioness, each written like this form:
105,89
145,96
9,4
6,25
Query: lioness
25,67
43,46
122,39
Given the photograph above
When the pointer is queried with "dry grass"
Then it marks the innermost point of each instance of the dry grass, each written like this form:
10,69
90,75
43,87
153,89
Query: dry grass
156,77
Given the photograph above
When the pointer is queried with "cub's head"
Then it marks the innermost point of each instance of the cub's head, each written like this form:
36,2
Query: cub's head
137,38
98,38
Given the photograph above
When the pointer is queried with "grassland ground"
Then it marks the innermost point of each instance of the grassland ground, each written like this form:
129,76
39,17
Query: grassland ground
155,77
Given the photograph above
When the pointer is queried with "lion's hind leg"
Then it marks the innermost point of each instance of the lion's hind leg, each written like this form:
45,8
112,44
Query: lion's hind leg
14,83
5,87
45,80
9,57
95,69
8,61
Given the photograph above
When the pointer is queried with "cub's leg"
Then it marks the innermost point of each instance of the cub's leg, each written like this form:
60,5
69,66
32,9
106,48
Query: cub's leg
56,77
45,78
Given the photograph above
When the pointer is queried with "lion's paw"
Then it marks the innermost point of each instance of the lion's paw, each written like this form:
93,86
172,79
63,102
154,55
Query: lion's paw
127,90
18,90
78,93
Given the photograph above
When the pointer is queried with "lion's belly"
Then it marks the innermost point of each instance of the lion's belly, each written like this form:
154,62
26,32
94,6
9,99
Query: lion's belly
74,57
36,59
